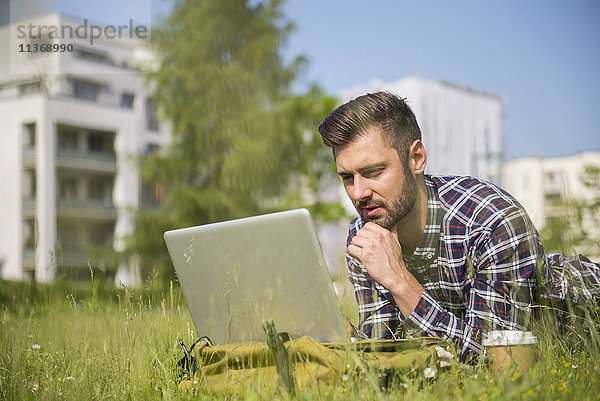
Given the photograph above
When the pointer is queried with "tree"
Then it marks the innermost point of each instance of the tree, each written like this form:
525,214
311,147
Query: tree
315,182
239,135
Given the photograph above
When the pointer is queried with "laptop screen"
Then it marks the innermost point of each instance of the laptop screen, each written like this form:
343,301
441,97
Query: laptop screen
237,274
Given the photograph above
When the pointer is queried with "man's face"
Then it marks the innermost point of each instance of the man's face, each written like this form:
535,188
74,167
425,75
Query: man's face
382,189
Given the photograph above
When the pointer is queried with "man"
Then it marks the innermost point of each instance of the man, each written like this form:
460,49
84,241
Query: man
450,257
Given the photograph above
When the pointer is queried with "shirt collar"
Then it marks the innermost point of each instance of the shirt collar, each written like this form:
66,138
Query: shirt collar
427,249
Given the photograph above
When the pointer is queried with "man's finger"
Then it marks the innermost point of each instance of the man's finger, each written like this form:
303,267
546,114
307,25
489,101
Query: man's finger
354,251
370,226
373,228
360,240
376,228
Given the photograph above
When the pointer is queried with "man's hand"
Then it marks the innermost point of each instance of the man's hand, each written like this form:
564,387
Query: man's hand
379,251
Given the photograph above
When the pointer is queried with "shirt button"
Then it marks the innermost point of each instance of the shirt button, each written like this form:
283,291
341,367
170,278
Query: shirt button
429,255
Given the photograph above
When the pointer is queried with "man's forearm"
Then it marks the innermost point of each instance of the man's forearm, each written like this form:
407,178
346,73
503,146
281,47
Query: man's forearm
407,292
381,254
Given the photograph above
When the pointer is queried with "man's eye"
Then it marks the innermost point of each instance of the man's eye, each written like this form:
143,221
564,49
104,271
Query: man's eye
373,173
347,179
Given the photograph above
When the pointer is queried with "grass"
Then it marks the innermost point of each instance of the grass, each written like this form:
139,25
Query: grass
94,342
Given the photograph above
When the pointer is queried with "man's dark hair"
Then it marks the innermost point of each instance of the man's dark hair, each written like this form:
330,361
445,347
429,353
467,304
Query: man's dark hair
380,110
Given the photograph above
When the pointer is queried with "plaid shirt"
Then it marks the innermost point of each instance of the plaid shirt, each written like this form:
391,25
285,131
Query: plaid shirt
477,262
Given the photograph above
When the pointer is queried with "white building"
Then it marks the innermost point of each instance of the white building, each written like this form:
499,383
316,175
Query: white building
462,128
545,185
71,122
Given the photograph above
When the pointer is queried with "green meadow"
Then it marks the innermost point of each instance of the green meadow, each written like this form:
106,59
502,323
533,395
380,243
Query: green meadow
92,341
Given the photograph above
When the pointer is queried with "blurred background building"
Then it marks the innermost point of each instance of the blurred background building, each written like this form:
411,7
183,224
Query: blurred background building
72,123
462,128
552,190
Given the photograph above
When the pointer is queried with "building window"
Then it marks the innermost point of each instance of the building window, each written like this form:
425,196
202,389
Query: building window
30,87
68,236
91,55
29,184
100,234
86,90
95,143
151,117
67,189
96,190
99,190
81,140
553,199
68,139
29,234
99,142
29,136
151,148
553,177
127,100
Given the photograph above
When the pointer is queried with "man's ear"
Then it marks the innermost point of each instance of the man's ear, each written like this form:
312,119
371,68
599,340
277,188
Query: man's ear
417,157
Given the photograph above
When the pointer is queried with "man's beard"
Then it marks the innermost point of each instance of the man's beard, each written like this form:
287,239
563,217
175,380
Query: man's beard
392,213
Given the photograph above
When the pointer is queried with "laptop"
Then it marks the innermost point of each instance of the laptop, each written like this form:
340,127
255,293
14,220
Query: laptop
237,274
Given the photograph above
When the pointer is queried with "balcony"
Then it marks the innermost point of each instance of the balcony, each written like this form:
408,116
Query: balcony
97,93
89,161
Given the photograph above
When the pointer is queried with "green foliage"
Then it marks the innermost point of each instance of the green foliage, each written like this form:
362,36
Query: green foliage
316,173
239,140
555,235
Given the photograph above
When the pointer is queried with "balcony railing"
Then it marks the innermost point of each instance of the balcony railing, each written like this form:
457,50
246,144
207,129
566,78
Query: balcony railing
72,258
101,98
28,257
91,161
29,205
77,257
86,209
28,157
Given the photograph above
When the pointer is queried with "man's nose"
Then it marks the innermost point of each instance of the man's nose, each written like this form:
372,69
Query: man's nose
362,189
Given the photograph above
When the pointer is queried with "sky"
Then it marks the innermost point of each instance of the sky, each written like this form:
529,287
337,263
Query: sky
541,57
